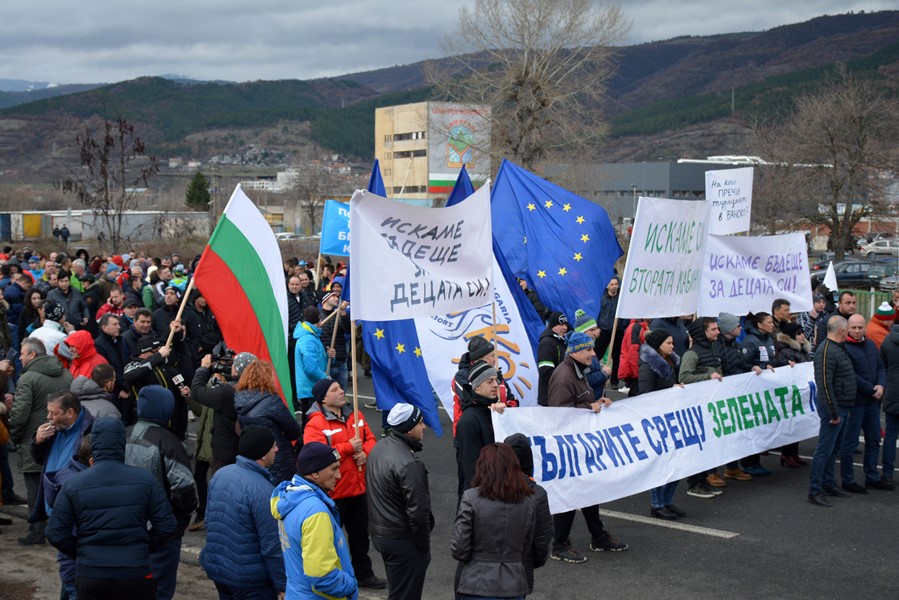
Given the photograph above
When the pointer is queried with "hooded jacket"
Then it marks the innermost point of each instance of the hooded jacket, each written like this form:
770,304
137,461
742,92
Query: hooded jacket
110,505
336,431
316,555
700,362
889,354
550,353
242,546
656,373
255,407
93,399
789,349
310,358
634,336
88,357
41,377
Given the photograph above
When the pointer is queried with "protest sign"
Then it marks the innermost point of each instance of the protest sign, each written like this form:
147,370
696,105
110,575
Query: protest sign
746,274
335,229
444,338
729,194
417,262
584,458
664,260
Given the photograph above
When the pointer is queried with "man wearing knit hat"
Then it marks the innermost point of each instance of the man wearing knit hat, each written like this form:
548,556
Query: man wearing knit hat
399,507
599,373
242,555
880,323
316,555
331,421
568,387
550,352
475,427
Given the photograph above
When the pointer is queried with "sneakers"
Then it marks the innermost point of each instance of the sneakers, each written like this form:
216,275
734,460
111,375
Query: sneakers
737,474
880,484
607,543
701,491
568,553
854,488
715,480
756,471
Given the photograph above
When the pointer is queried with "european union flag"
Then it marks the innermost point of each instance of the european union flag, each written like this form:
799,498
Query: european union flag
563,245
397,367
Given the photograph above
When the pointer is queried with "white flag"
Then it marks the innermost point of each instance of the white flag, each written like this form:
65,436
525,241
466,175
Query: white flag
830,278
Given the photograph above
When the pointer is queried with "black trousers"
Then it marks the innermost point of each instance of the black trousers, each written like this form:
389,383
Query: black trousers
602,344
201,478
562,523
354,517
88,588
406,567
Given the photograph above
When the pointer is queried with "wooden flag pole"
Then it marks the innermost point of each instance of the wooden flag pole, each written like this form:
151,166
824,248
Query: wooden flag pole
355,383
318,269
190,287
333,335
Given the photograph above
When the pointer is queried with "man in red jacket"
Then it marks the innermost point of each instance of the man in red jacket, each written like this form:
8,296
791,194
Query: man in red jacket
333,423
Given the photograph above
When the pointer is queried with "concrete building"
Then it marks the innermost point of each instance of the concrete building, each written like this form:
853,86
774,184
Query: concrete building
422,147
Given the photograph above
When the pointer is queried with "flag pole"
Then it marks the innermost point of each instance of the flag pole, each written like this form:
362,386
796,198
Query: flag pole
333,337
318,267
355,385
494,320
190,287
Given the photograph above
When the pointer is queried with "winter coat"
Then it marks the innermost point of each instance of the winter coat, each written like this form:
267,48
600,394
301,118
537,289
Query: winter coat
14,294
629,362
789,349
116,353
220,399
758,349
491,539
41,377
208,332
88,357
296,304
399,498
327,331
462,394
242,545
876,331
76,309
184,354
656,373
159,370
110,505
569,386
310,358
834,378
701,361
316,555
728,350
889,354
677,329
336,431
93,399
869,368
474,431
255,407
50,333
550,352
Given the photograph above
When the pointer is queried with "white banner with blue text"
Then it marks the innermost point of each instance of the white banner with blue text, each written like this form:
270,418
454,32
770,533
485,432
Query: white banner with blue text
584,458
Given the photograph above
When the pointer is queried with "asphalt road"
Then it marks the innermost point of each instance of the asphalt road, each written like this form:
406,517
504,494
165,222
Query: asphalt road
760,539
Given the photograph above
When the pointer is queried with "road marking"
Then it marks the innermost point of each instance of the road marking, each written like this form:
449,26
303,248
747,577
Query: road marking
719,533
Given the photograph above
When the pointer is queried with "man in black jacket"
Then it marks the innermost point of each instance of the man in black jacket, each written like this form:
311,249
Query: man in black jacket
475,427
550,352
111,496
109,345
399,507
836,388
336,329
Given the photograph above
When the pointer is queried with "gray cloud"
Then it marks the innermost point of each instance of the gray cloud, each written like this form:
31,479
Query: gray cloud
104,41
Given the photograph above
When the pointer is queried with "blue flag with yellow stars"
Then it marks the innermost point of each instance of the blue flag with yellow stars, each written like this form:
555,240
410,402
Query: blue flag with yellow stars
397,367
563,245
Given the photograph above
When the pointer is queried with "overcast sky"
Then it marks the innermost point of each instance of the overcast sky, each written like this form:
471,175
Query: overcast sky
95,41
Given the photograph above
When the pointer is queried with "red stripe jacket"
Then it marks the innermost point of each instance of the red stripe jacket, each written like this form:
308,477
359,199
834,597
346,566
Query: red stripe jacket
337,431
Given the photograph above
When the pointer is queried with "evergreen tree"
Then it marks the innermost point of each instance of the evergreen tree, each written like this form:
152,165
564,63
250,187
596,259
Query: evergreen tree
197,196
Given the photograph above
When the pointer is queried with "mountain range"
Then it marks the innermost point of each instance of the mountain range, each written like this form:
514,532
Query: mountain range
685,95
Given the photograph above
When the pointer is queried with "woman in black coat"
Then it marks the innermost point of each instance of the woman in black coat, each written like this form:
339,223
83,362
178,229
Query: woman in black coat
659,365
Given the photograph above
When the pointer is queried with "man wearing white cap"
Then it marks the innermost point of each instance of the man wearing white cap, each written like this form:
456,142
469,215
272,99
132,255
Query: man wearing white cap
399,507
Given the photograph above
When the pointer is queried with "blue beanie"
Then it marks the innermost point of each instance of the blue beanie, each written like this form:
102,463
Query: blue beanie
579,341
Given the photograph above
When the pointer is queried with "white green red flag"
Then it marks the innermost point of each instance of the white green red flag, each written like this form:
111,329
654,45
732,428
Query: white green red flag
241,277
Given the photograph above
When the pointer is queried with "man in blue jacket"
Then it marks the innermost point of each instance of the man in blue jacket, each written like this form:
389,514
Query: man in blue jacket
100,517
864,416
316,555
310,357
243,553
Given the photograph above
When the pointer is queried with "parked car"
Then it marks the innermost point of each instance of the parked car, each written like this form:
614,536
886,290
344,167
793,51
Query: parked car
288,235
856,273
882,247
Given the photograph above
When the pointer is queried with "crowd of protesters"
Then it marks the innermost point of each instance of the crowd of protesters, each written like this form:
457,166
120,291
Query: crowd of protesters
105,363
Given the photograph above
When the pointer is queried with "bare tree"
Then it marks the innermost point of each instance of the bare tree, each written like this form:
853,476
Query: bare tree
840,142
540,65
106,181
315,183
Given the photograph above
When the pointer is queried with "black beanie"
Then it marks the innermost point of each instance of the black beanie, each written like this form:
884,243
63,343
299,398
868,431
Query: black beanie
478,348
656,338
321,388
522,448
255,442
314,457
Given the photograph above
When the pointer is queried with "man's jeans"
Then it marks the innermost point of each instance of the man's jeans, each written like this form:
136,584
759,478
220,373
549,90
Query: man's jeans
830,437
865,418
340,373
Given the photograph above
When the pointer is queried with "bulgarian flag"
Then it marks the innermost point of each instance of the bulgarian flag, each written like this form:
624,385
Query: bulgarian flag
241,277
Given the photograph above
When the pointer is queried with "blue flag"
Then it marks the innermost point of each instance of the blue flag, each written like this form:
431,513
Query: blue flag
397,367
335,229
534,326
563,245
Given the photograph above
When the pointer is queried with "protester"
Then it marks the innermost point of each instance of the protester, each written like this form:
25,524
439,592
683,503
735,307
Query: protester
399,507
606,321
792,347
95,392
550,352
494,528
242,555
475,427
316,557
880,323
629,367
84,356
54,328
310,357
598,374
336,341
